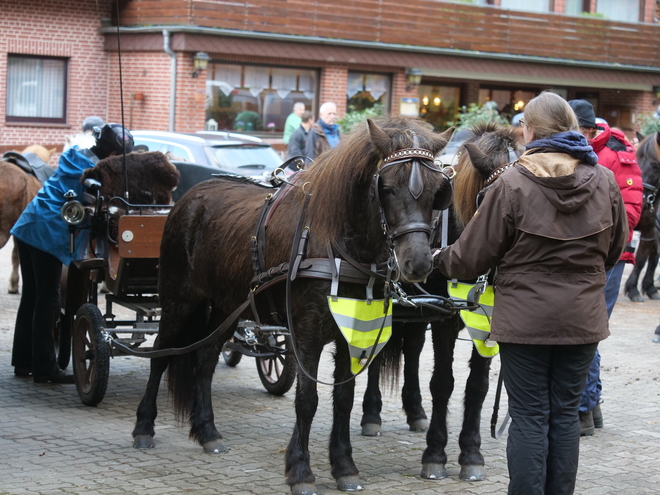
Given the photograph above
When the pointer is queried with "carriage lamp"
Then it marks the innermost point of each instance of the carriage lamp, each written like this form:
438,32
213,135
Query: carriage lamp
414,77
73,212
201,62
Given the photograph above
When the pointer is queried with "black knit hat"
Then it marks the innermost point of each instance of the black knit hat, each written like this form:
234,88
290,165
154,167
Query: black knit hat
584,112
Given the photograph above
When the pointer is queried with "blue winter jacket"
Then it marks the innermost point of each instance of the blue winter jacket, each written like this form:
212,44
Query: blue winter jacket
41,226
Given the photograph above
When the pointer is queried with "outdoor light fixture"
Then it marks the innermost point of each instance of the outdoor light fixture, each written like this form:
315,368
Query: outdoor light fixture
201,62
414,78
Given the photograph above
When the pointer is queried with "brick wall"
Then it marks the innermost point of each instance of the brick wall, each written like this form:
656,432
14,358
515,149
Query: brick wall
399,84
334,81
68,28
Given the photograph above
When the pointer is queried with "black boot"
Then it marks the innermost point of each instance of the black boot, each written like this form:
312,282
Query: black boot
586,424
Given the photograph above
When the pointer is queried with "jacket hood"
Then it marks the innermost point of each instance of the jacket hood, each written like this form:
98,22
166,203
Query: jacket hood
564,181
599,142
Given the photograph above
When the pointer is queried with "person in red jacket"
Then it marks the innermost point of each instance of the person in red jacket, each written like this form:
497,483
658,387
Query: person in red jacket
616,153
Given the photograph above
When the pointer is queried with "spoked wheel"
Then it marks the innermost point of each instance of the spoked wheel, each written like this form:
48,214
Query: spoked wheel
277,373
232,358
62,337
91,355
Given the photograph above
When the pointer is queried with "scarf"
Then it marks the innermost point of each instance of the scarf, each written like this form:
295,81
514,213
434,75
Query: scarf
331,133
570,142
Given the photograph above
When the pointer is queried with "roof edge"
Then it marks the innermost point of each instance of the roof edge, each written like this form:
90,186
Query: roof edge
378,46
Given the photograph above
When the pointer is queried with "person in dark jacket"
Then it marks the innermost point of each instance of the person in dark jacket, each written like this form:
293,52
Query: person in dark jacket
617,154
42,238
551,226
298,139
325,133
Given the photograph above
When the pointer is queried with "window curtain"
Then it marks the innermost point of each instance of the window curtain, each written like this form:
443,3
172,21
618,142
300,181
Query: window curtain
284,81
527,5
35,87
619,10
227,77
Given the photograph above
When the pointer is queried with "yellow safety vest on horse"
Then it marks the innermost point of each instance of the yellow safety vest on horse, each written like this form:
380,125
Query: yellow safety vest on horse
476,320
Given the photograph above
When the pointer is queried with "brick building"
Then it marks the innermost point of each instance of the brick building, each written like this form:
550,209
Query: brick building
59,60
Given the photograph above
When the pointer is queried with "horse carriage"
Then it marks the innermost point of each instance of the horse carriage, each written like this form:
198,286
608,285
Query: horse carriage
122,259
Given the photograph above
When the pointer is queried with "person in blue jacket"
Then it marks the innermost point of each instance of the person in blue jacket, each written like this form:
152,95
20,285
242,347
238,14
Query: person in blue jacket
42,238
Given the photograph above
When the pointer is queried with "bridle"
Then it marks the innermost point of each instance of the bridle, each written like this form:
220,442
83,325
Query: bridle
420,158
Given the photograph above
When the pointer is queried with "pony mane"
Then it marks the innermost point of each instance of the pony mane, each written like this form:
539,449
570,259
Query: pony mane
340,178
492,142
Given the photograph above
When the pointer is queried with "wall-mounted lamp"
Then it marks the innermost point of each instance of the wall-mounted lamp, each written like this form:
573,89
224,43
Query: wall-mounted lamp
414,77
656,92
201,62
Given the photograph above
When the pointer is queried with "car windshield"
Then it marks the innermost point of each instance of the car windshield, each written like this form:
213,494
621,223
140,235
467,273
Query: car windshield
245,159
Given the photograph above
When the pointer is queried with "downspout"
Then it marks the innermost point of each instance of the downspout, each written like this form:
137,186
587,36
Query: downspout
168,50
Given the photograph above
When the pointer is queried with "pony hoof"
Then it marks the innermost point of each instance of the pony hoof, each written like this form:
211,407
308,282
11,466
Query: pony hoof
636,298
656,338
433,471
655,296
215,447
370,430
143,442
349,484
420,425
472,473
304,489
12,291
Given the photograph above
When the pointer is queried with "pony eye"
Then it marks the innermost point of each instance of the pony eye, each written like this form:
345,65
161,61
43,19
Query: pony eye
388,190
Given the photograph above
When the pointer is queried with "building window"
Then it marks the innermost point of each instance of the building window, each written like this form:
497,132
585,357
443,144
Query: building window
619,10
365,90
36,89
526,5
509,101
439,104
256,98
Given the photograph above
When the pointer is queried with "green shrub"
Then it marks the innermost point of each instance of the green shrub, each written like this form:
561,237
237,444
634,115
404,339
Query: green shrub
475,114
354,117
648,124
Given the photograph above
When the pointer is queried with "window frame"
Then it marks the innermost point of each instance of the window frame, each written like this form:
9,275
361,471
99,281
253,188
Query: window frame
13,119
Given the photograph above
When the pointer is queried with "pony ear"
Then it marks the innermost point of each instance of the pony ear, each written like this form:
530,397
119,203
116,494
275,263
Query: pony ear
379,138
441,140
640,136
478,158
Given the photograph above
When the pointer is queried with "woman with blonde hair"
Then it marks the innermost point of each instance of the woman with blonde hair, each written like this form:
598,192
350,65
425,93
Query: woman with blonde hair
551,225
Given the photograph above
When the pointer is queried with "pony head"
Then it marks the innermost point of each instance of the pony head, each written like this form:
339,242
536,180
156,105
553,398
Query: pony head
365,197
40,151
488,149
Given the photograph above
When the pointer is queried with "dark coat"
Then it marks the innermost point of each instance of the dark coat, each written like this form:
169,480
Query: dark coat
317,142
551,237
297,142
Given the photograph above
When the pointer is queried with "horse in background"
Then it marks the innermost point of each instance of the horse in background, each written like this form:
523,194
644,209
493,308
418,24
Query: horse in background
366,199
17,189
490,148
648,158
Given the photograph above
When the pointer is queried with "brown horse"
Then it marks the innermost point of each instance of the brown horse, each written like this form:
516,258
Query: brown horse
17,189
648,157
361,199
490,147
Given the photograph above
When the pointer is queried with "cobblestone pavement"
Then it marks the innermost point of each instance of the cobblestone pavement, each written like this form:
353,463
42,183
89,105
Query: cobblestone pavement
50,443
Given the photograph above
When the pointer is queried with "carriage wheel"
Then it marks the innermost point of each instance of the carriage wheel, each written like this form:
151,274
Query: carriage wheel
91,355
232,358
277,373
62,337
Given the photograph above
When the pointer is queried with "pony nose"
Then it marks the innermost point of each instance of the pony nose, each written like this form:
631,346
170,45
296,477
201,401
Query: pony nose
416,269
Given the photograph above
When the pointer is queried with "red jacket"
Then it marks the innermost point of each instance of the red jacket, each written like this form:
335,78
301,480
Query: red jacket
616,153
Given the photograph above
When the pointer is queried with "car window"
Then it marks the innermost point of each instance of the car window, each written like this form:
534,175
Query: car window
245,159
178,152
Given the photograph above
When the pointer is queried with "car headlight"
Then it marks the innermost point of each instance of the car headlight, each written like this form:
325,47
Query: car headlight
73,212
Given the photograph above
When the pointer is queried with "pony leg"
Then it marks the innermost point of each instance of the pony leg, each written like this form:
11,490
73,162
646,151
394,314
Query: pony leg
413,343
343,468
434,459
469,440
299,475
372,404
143,433
648,282
202,426
630,288
14,277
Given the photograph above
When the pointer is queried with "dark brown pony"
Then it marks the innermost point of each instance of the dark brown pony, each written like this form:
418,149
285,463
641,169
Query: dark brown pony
206,266
17,188
491,146
648,158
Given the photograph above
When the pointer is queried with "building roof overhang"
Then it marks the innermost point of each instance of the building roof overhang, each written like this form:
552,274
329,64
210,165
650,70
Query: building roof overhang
434,62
